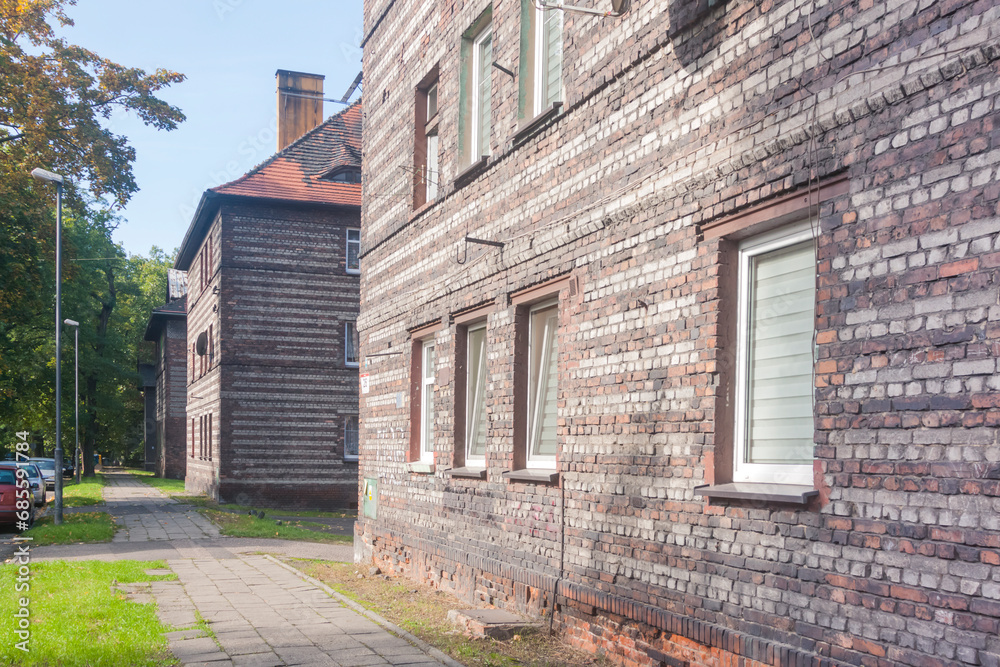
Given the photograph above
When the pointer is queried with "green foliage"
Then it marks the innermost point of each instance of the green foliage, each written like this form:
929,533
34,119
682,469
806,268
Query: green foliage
78,618
56,101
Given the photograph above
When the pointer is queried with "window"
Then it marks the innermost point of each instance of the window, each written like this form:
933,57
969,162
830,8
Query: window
475,117
351,438
427,402
541,59
354,251
475,396
193,433
350,344
543,321
548,58
343,175
426,164
482,81
774,376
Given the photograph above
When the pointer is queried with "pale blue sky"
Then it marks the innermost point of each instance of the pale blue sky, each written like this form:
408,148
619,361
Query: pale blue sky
229,50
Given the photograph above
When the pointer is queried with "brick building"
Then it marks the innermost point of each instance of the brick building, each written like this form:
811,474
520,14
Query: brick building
684,332
272,303
166,397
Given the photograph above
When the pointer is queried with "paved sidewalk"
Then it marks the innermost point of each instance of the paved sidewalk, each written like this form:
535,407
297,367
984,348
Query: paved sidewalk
260,612
148,514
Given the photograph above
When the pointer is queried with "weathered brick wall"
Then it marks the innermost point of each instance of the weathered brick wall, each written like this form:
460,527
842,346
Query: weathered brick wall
171,400
204,375
285,300
667,130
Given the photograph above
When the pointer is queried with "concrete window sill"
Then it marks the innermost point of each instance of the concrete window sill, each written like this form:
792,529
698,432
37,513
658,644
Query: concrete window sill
420,468
775,493
532,476
469,472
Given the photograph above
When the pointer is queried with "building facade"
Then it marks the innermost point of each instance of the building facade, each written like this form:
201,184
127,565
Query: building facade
681,327
166,393
272,303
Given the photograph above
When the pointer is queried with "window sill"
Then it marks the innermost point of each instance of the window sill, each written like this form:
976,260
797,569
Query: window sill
417,212
794,494
420,468
350,459
471,171
529,128
532,476
469,472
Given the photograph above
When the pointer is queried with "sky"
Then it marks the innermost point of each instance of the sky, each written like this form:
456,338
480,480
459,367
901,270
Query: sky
229,50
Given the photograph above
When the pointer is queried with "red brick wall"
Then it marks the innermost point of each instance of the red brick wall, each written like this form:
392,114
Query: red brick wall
664,135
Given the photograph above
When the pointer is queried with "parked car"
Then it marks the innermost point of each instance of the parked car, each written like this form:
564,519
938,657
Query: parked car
9,492
48,468
37,482
68,468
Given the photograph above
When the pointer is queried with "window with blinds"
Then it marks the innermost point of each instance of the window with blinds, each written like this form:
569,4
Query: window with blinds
542,385
775,388
427,403
482,73
548,66
475,403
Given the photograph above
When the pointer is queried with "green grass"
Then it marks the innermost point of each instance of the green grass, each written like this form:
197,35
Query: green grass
77,527
90,491
77,619
202,501
173,487
241,525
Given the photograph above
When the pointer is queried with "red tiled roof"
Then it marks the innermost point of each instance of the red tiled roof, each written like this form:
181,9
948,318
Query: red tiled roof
294,174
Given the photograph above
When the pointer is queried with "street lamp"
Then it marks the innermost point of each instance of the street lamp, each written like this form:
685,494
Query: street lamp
43,175
78,457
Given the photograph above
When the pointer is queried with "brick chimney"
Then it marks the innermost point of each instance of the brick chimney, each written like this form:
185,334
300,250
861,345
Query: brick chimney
297,114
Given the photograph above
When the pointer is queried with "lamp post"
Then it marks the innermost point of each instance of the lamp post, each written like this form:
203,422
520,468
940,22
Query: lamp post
78,457
43,175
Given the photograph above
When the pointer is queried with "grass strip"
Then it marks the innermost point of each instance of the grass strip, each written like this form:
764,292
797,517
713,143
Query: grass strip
90,491
423,611
207,503
77,528
76,618
242,525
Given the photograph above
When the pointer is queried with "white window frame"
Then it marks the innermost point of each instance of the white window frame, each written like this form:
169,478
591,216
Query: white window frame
347,253
427,379
478,151
541,63
743,471
357,431
431,167
350,333
471,396
533,425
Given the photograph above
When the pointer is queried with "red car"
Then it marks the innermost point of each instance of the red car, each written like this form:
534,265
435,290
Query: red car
17,500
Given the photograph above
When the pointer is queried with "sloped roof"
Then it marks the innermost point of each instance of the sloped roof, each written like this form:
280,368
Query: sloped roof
175,309
294,174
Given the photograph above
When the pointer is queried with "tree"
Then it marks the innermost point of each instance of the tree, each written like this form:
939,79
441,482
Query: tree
55,101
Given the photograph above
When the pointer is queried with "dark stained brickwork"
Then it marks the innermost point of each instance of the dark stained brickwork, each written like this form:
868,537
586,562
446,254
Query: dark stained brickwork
676,139
271,294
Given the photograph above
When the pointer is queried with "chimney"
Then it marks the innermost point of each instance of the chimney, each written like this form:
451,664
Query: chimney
297,113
